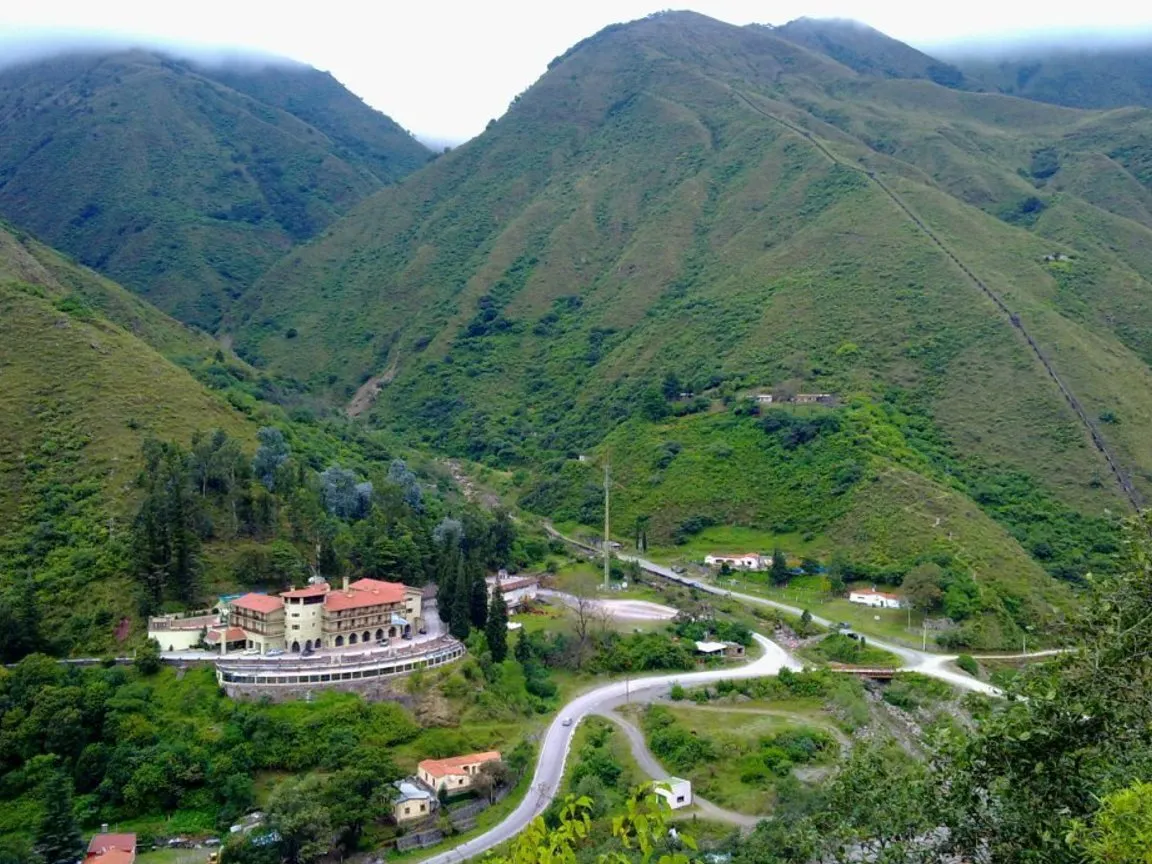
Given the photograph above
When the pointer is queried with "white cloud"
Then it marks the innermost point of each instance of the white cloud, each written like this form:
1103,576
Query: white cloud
444,69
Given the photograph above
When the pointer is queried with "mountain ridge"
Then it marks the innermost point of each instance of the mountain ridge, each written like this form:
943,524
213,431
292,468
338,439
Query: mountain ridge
158,173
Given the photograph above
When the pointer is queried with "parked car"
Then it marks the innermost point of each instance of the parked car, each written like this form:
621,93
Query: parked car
275,652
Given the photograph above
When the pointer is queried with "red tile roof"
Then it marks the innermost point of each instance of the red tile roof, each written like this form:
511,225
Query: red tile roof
514,582
259,603
317,590
365,592
111,849
455,764
235,634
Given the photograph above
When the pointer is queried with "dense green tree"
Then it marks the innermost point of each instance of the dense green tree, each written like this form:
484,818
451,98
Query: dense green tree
271,455
297,813
165,540
778,570
148,657
477,598
19,621
922,586
57,839
459,618
501,537
523,650
497,626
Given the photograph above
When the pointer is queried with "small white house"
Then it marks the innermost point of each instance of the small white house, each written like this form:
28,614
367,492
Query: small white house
877,599
745,561
677,792
764,398
711,649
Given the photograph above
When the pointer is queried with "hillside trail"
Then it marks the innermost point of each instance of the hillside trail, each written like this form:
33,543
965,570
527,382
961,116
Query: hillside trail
365,396
648,763
1122,477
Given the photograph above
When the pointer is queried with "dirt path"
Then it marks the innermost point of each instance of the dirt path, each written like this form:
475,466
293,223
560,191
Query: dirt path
647,762
365,397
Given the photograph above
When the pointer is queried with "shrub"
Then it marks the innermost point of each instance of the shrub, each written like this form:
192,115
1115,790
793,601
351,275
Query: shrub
676,694
968,663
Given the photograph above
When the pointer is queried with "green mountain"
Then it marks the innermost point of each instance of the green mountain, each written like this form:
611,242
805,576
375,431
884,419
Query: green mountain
83,388
1095,77
184,181
867,50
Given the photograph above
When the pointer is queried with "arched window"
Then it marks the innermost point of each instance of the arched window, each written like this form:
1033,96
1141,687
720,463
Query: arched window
367,636
296,647
352,639
339,641
379,634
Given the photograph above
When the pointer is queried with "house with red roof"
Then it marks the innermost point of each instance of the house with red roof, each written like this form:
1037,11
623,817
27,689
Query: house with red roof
456,773
111,849
317,615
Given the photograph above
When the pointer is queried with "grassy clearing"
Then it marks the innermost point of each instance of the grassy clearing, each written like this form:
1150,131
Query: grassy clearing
736,759
835,648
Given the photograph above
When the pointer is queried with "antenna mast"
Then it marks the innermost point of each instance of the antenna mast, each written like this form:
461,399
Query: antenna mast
607,548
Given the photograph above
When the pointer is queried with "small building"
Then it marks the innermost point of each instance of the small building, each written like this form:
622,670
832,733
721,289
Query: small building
814,398
456,773
877,599
517,590
413,801
764,398
182,631
711,649
676,791
726,650
111,849
235,638
733,650
739,561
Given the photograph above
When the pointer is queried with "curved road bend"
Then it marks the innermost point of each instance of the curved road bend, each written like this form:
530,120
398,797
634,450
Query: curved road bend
651,766
935,665
558,739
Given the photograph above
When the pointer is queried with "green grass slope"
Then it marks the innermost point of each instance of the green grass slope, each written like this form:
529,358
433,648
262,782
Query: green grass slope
82,390
184,183
678,197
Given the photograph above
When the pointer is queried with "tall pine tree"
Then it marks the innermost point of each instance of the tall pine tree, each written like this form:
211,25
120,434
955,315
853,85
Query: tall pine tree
497,627
57,839
477,595
459,620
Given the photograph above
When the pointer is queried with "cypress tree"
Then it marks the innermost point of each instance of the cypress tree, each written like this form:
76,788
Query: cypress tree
446,580
57,838
478,598
523,649
459,620
497,627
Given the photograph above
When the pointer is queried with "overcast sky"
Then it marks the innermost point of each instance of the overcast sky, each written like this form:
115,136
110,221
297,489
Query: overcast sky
443,69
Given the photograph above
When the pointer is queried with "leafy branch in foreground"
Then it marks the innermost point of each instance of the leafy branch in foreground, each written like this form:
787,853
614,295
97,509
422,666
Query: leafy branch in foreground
642,831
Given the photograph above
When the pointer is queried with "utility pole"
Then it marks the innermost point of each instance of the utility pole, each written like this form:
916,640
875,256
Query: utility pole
607,548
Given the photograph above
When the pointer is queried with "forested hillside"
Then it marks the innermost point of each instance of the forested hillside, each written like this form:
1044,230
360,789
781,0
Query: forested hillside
184,181
681,206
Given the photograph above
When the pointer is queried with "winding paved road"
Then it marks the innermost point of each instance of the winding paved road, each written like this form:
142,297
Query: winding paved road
558,739
652,767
